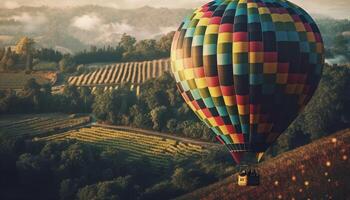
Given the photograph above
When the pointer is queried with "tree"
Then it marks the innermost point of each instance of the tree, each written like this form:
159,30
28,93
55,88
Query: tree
32,169
127,42
5,58
159,115
68,189
193,129
49,55
87,99
67,64
119,188
32,92
25,50
10,63
161,190
341,44
171,125
329,109
2,52
72,99
146,50
183,180
139,117
103,105
164,44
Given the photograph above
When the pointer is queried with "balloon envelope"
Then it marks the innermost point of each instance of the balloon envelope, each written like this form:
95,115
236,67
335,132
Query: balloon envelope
247,68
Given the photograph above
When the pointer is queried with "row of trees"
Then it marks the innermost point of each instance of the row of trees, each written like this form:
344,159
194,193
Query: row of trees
128,49
37,98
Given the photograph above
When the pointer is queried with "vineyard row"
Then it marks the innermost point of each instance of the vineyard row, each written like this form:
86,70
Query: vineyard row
132,72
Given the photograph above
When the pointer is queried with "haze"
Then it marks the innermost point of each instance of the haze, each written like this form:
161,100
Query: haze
337,9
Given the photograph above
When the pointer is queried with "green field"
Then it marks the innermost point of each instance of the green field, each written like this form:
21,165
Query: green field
36,125
18,80
158,150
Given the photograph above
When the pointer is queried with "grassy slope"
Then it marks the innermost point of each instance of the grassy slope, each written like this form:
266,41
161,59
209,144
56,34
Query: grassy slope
323,164
161,134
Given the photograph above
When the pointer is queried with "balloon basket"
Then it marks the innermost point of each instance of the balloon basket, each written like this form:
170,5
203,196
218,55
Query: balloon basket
248,176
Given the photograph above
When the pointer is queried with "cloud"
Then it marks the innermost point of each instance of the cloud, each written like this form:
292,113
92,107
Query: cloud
110,33
117,28
86,22
339,59
31,23
92,30
167,29
11,4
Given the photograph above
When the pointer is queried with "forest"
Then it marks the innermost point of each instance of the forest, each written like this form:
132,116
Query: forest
27,57
68,166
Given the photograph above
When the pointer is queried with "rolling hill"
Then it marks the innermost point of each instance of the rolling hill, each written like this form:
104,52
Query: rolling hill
319,170
157,148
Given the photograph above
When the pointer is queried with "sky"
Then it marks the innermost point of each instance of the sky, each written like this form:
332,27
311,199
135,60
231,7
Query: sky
339,9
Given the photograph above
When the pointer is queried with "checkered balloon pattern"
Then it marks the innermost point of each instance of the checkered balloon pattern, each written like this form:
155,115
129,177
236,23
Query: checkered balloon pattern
247,68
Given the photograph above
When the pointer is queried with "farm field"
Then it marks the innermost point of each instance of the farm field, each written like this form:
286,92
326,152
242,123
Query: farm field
35,125
112,75
12,80
158,150
319,170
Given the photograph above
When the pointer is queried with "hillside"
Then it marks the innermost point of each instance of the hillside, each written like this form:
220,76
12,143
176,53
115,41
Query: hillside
138,144
318,171
34,125
19,79
158,149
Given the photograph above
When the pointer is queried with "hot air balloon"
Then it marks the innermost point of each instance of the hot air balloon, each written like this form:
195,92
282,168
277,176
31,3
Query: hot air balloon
247,68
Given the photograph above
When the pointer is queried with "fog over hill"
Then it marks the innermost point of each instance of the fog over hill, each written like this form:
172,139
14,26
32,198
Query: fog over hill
72,29
76,28
336,9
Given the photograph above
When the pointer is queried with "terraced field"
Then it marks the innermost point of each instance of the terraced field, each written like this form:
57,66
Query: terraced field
158,150
36,126
18,80
110,76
